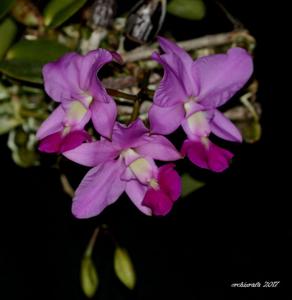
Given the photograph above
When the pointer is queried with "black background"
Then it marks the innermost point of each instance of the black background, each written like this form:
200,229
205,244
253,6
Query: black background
232,230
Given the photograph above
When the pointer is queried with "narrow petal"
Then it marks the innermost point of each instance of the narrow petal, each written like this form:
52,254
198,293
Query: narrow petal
159,203
224,128
136,192
207,156
89,65
169,181
103,117
132,135
51,143
160,148
171,47
171,89
181,64
52,124
220,76
100,187
92,154
74,139
165,120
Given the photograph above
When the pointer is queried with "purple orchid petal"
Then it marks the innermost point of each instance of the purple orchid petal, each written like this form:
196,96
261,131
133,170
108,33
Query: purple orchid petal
132,136
160,148
100,187
103,117
170,47
171,89
74,76
220,76
51,143
56,76
74,139
88,66
180,62
117,57
208,156
224,128
52,124
165,120
136,192
92,154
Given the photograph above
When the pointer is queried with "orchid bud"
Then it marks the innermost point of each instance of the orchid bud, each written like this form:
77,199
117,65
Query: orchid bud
145,20
124,268
89,277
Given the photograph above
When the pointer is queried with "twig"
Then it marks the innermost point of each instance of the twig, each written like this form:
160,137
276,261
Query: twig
66,185
214,40
118,94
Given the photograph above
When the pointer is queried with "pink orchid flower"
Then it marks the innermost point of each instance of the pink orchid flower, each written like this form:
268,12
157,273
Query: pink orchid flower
72,81
189,95
126,163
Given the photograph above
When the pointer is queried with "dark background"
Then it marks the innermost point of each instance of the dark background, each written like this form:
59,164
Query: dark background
232,230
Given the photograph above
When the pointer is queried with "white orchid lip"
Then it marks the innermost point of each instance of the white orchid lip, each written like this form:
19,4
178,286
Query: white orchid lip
188,105
75,113
87,99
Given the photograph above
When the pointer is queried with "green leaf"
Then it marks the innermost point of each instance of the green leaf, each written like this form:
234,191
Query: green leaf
187,9
26,59
89,277
189,185
22,70
57,12
124,268
41,51
5,6
8,30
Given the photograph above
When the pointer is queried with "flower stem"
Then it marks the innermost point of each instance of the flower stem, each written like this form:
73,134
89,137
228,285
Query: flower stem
118,94
91,243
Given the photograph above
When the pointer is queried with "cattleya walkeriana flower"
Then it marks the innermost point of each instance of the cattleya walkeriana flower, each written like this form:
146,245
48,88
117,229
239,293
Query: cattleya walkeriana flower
72,81
124,157
189,94
126,163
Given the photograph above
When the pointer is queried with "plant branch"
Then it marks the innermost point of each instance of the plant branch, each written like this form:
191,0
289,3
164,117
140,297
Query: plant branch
118,94
214,40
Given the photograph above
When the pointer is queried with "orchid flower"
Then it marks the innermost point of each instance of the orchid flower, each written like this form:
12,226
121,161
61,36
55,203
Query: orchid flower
189,94
126,163
72,81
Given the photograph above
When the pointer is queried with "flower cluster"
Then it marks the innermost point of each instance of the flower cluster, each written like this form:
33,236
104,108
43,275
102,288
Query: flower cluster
123,159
